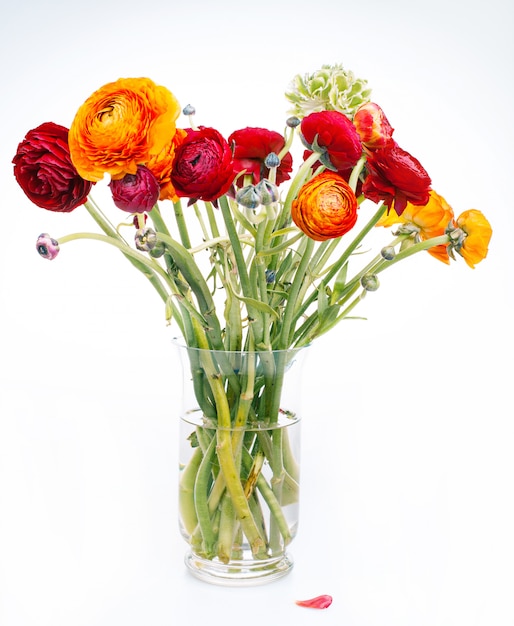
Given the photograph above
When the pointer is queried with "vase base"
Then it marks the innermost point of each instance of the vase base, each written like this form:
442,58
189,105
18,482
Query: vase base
244,573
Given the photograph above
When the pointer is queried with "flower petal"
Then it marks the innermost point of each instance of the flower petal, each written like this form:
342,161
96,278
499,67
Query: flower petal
319,602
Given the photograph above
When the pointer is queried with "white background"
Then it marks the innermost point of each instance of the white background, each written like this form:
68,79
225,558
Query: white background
408,458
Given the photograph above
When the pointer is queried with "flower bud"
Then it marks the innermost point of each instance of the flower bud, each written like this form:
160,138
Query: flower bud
145,239
370,282
272,160
189,110
388,253
248,197
158,250
136,193
293,121
47,247
268,192
372,126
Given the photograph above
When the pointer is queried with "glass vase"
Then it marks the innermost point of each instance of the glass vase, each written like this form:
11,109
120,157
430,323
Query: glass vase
239,486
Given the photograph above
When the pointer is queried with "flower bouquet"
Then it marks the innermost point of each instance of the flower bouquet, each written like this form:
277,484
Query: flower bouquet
252,261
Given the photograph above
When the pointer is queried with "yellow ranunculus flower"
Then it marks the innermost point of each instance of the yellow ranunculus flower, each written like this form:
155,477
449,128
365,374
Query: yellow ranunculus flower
478,232
431,220
120,126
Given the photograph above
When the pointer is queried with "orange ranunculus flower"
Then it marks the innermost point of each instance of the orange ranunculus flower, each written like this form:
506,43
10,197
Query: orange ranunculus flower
478,233
326,207
120,126
430,220
161,164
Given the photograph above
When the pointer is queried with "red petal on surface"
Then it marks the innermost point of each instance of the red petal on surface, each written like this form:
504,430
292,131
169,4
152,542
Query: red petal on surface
319,602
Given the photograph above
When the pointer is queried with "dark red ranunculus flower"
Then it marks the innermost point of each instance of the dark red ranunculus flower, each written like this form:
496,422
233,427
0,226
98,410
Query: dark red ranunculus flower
336,134
202,168
136,193
43,169
396,177
251,147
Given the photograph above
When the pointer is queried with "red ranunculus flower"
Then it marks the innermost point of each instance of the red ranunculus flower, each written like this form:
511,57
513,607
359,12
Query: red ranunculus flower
136,193
43,169
335,133
396,177
202,167
251,147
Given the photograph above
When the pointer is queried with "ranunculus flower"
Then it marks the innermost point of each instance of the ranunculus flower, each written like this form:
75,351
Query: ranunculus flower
161,164
372,126
430,220
135,193
335,134
202,169
396,177
43,169
478,233
120,126
331,87
325,207
251,147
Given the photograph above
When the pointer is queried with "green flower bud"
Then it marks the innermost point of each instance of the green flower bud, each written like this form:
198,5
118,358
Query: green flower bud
268,193
370,282
189,110
331,88
293,122
248,197
272,160
158,250
388,253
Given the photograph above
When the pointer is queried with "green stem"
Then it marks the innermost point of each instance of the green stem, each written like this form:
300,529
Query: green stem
227,527
244,279
346,255
289,313
187,506
201,487
181,224
414,249
226,457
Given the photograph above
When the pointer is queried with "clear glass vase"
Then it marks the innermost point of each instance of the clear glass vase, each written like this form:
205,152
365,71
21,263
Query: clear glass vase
239,461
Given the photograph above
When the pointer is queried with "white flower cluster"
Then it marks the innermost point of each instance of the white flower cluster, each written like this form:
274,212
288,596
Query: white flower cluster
330,88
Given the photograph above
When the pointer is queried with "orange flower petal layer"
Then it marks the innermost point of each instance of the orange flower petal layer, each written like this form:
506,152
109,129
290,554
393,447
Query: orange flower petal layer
326,207
120,126
478,235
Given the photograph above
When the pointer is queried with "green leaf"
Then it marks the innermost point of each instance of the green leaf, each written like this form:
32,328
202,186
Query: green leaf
259,305
322,298
339,283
